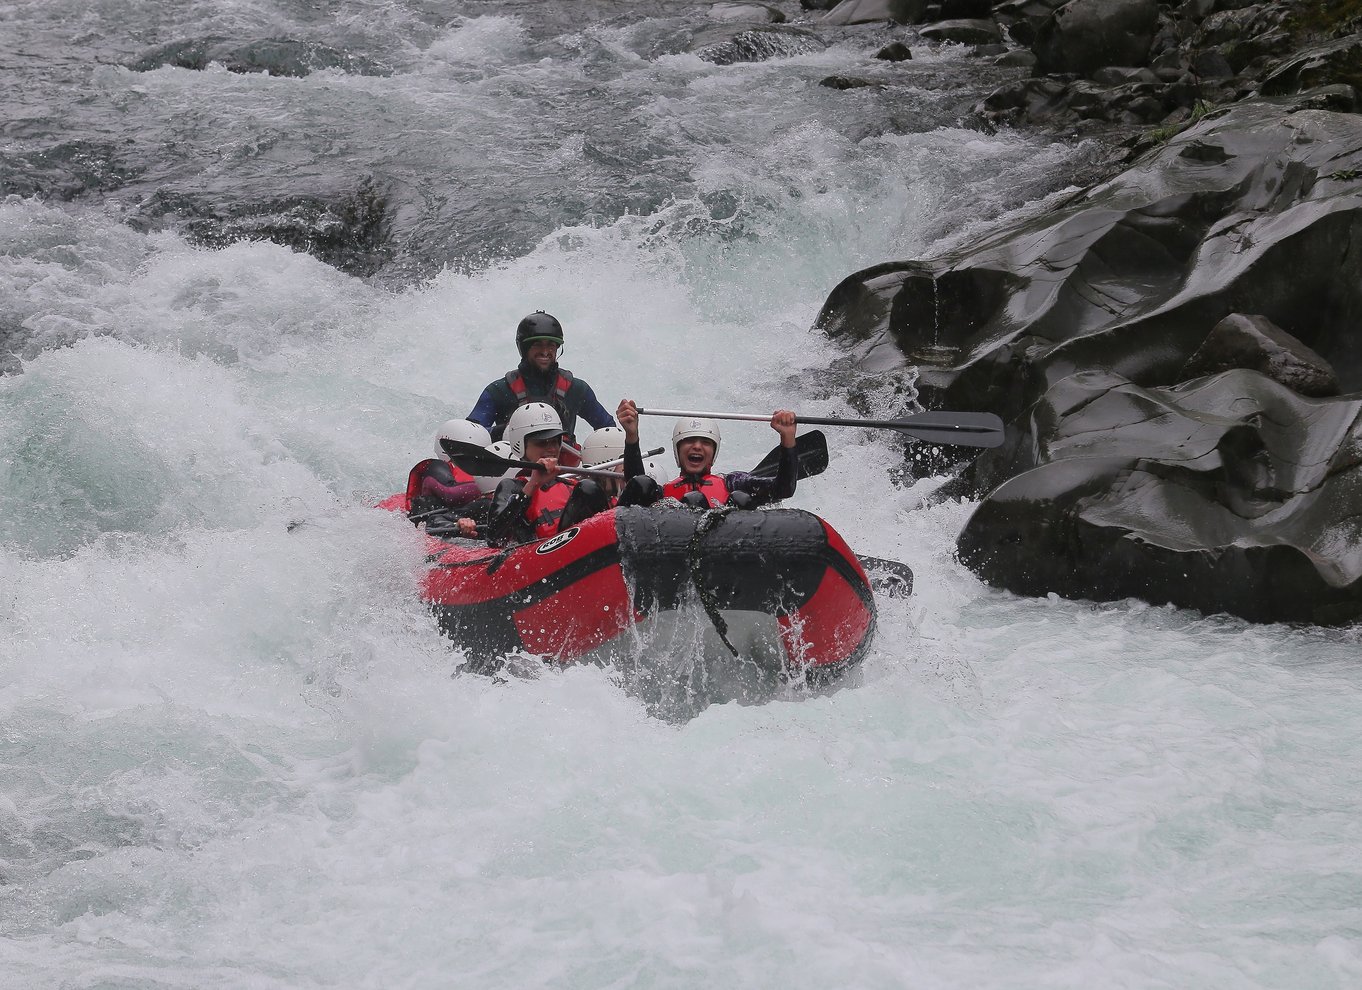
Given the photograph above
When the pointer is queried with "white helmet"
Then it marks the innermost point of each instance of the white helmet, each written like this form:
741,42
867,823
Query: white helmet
463,430
502,449
657,470
687,428
605,444
532,421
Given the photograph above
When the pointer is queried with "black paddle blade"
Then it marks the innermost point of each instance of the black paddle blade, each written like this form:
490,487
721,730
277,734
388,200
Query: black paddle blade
811,453
963,429
890,578
478,461
482,463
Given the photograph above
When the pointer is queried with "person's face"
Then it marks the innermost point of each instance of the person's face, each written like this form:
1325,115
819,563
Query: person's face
542,353
538,449
697,455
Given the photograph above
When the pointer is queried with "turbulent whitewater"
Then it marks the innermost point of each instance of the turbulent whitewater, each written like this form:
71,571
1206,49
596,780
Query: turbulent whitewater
233,748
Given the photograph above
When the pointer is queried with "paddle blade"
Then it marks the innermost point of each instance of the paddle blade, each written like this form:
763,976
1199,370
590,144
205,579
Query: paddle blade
482,463
890,578
811,454
478,461
963,429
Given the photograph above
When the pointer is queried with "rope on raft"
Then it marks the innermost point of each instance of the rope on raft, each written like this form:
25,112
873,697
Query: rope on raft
707,524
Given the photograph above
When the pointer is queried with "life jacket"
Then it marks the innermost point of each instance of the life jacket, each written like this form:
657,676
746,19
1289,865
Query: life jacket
547,505
711,486
515,381
418,475
512,391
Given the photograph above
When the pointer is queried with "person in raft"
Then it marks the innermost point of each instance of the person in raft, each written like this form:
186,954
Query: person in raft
696,443
437,491
604,446
539,379
537,504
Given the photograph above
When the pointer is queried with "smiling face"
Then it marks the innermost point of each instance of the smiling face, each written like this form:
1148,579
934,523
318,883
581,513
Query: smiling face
541,353
695,455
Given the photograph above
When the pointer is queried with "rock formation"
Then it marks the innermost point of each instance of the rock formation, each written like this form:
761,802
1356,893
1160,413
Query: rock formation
1168,346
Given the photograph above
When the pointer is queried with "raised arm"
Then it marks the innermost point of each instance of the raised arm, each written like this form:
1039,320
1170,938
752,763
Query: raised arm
633,456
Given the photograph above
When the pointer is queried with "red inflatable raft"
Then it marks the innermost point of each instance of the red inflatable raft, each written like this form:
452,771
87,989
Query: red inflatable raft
778,588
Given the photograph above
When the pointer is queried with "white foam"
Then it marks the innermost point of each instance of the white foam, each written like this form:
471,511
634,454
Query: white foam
234,753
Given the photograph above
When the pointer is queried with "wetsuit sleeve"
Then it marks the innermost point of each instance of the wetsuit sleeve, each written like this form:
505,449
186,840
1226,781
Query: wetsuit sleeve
485,412
479,509
633,461
593,412
765,490
506,522
447,488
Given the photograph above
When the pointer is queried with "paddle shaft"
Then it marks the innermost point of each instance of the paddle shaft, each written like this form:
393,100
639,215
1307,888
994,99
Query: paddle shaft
918,419
481,462
585,472
973,429
596,470
616,462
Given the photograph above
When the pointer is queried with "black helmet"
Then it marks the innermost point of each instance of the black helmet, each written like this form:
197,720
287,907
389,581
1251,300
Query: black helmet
538,326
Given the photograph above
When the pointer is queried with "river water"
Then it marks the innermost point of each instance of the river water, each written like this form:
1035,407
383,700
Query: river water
232,751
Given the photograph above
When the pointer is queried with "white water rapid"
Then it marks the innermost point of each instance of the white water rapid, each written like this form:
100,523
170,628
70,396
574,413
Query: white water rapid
232,751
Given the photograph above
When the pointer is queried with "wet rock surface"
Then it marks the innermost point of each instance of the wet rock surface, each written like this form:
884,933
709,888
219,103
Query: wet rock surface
1256,343
1175,347
68,170
1085,35
275,56
758,45
872,11
966,31
1195,56
347,228
1252,208
759,13
1231,493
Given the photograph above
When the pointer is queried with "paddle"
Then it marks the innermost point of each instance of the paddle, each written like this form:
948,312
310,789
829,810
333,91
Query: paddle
963,429
811,453
891,578
482,463
453,530
443,510
620,460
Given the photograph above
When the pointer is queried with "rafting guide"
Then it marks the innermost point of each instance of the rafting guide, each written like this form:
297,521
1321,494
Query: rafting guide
538,378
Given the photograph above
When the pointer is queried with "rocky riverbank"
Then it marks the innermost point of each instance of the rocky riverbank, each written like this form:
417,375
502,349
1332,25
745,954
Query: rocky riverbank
1174,348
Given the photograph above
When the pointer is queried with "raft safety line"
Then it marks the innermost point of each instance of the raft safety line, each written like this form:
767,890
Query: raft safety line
711,519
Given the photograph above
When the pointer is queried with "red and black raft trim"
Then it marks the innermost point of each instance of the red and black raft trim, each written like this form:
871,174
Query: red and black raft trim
572,594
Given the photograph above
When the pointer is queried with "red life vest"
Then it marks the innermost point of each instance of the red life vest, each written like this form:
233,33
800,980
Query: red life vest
547,505
515,381
418,474
711,486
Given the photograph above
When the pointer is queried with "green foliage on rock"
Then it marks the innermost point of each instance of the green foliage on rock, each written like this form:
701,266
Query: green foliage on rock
1327,18
1165,132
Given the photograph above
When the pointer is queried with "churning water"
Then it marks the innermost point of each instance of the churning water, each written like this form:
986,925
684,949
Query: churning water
232,753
